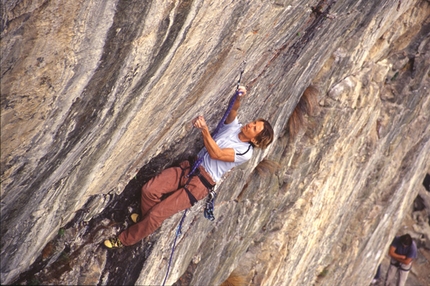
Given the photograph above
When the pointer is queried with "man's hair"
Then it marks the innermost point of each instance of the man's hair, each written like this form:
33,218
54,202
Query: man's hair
265,137
406,239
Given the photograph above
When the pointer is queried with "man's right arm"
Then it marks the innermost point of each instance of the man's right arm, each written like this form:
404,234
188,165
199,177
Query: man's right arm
214,151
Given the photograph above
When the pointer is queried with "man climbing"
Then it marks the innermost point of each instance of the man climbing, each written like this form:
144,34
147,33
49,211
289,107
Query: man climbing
402,251
230,147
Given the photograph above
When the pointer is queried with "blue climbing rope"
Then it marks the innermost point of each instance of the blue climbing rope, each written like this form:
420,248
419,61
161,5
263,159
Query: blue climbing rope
210,203
221,123
178,233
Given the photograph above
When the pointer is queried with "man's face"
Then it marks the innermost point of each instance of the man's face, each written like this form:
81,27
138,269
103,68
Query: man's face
252,129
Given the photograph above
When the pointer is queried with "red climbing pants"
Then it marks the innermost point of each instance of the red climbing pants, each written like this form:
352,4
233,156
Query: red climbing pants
168,183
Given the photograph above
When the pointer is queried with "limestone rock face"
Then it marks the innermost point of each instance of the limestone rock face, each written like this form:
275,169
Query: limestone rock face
97,96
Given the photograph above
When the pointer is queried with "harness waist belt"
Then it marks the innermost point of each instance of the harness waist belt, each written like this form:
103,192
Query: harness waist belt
205,182
205,178
399,265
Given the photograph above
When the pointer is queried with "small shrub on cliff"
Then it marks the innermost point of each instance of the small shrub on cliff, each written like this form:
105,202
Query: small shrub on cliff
33,281
306,106
235,279
266,167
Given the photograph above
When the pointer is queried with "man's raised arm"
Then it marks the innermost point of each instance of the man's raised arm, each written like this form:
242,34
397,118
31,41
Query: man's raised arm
233,113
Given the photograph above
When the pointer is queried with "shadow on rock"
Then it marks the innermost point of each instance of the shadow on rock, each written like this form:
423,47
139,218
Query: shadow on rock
61,261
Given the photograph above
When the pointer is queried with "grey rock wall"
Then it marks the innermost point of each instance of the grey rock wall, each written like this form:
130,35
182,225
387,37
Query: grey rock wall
94,91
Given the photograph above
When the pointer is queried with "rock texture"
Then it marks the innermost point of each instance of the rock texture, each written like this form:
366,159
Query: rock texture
97,96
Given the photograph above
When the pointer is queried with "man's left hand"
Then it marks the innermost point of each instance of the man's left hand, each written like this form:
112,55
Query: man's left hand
241,91
199,122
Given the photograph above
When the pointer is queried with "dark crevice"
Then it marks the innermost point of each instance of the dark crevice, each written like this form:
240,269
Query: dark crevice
165,40
123,266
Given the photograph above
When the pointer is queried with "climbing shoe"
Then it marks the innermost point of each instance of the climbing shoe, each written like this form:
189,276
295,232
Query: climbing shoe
113,242
135,217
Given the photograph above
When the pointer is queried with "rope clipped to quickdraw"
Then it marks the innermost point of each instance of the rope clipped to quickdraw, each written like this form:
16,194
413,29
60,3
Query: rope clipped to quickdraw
221,123
210,203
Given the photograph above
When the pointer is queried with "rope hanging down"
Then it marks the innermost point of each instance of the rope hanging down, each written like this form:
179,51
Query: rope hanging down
178,233
210,203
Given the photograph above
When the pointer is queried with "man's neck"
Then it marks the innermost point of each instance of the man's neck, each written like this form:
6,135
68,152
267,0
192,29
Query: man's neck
243,138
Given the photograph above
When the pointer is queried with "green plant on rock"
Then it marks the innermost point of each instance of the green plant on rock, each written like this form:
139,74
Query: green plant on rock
64,257
323,273
33,281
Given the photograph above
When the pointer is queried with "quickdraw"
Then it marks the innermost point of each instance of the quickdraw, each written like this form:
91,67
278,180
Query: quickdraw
210,205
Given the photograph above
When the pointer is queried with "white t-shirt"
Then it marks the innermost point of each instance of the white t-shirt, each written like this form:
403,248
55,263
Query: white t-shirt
227,137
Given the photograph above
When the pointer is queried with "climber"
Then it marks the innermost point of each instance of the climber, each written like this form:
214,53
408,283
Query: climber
232,146
402,251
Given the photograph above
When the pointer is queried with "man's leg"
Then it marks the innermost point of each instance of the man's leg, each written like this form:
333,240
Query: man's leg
403,273
153,219
391,275
377,275
378,272
164,183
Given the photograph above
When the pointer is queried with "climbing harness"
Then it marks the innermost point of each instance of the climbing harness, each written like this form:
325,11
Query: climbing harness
399,265
191,197
209,207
